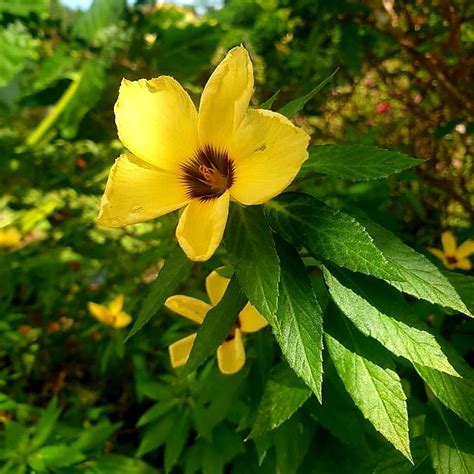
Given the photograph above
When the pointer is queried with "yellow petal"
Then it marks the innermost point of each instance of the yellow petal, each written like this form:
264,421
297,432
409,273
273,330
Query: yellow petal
251,320
190,308
463,264
465,249
231,354
437,253
116,305
225,98
101,313
122,320
201,227
179,351
449,243
215,286
137,192
268,151
157,121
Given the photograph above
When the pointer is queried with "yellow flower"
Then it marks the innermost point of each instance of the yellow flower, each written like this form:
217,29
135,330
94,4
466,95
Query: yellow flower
112,315
231,353
10,238
453,256
181,158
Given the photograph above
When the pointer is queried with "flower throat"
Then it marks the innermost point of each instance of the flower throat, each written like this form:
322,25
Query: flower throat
209,174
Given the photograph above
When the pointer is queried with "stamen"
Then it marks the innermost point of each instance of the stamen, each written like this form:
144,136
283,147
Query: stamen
209,174
452,260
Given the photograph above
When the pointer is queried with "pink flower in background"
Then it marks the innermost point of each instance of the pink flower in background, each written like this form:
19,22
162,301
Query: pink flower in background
382,107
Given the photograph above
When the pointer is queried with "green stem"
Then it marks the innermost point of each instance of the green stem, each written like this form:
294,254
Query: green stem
37,134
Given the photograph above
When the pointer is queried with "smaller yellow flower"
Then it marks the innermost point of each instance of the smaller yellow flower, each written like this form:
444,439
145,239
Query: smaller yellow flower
111,315
453,256
231,353
10,238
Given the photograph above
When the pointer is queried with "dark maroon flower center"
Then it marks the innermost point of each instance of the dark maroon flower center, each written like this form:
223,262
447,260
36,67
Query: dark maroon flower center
209,174
452,260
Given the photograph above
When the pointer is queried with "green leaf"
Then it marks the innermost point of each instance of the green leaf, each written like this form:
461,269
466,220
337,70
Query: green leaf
157,433
380,312
16,436
55,67
116,464
296,105
464,286
156,411
45,424
292,442
174,271
24,7
176,440
338,414
284,394
370,379
298,325
16,45
102,13
269,102
450,442
420,277
50,457
94,438
249,240
86,95
355,162
216,326
454,392
328,233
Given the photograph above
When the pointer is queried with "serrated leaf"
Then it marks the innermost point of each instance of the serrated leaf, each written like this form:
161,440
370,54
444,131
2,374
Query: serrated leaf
249,241
101,14
454,392
45,424
328,233
420,277
296,105
284,394
298,324
380,312
174,271
355,162
450,442
216,326
370,379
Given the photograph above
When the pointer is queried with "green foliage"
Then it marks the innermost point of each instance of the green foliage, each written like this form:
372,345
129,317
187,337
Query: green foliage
367,362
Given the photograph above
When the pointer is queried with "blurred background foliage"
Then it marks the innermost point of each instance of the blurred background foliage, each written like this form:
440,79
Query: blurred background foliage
404,81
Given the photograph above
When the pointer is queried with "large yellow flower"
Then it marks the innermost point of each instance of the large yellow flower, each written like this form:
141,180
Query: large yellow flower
181,158
231,353
10,238
453,256
111,315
